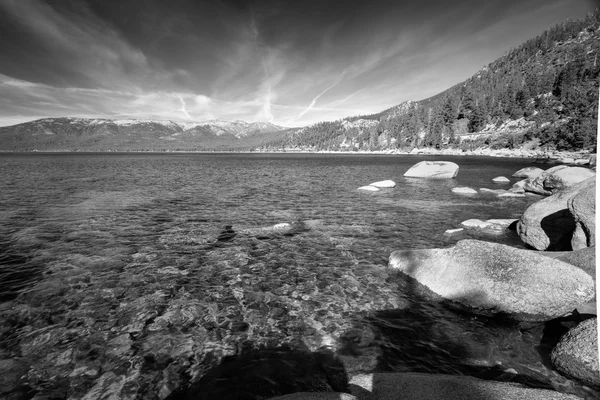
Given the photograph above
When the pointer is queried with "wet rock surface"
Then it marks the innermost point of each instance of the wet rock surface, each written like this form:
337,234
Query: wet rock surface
493,279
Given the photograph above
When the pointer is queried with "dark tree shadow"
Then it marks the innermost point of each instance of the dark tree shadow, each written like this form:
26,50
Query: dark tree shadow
268,372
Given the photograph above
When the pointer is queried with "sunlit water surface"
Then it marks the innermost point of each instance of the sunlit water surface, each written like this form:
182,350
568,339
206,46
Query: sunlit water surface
153,267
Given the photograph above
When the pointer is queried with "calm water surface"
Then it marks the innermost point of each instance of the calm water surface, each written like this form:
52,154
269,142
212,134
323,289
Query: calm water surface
148,269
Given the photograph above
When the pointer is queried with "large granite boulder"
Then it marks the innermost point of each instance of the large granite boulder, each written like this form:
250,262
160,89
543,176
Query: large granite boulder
528,172
566,177
584,258
433,169
536,184
558,178
576,354
548,224
420,386
583,209
491,278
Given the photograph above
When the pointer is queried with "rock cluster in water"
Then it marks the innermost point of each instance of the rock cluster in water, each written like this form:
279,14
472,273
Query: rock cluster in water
522,284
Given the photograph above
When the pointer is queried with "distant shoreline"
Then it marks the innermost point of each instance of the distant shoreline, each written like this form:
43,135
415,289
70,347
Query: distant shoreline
549,157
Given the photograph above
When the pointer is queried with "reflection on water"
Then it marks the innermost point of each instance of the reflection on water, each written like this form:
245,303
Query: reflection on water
134,274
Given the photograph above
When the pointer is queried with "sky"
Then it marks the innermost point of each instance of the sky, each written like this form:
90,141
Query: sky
291,63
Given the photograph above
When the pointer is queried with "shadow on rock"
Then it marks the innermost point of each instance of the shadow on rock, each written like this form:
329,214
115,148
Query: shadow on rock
266,373
559,228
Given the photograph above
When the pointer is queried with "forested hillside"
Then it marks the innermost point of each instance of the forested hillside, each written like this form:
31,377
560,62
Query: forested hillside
544,93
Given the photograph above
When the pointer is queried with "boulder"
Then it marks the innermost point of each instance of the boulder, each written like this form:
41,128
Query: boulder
518,187
383,184
583,209
576,354
491,278
511,194
501,179
592,160
433,169
453,231
536,185
464,190
490,226
584,259
558,178
369,188
566,177
528,172
421,386
548,224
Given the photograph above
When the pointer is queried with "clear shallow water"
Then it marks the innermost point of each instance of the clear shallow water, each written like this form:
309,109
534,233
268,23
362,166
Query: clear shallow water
139,272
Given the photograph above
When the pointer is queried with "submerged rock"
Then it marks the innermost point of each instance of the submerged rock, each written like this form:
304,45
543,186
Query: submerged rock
496,192
420,386
528,172
383,184
433,169
576,354
548,224
491,279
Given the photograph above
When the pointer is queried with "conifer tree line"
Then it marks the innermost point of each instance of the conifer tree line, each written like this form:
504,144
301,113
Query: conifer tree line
549,84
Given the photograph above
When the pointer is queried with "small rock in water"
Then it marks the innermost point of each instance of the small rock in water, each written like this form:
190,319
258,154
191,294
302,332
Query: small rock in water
369,188
511,194
501,179
463,190
384,184
453,231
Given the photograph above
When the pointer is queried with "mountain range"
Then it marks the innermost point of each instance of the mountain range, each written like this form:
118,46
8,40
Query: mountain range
87,134
542,94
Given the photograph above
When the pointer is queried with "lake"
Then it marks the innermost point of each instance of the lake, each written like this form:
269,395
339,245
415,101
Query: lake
134,274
